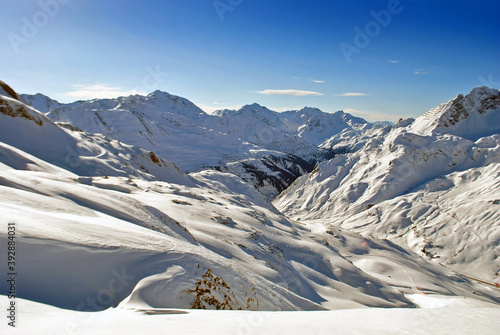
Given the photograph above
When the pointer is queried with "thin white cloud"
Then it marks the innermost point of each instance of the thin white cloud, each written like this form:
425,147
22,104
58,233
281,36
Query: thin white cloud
317,81
295,93
351,94
99,91
393,61
420,71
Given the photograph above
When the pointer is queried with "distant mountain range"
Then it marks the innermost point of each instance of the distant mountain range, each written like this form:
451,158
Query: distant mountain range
266,148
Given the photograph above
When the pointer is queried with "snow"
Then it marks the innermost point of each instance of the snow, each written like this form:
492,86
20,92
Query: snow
40,102
85,154
38,318
167,236
428,187
407,218
472,117
176,129
230,141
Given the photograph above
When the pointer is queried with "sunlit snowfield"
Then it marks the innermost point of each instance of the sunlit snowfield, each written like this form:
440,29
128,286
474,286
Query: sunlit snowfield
451,317
249,167
399,235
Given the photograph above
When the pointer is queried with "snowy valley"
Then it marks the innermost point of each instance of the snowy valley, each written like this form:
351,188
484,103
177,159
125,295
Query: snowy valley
147,205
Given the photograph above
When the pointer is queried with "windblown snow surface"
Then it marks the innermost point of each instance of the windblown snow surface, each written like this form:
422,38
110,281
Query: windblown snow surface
113,238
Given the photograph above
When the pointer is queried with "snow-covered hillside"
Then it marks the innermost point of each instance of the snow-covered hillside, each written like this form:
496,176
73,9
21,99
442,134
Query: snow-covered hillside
269,171
106,232
431,186
298,132
25,132
158,122
40,102
265,148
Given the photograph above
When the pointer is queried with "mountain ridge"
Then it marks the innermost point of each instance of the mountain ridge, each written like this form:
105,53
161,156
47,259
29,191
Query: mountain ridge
209,239
407,176
175,128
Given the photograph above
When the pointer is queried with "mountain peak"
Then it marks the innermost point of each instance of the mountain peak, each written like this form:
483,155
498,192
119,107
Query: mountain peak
41,102
254,107
310,111
475,115
158,93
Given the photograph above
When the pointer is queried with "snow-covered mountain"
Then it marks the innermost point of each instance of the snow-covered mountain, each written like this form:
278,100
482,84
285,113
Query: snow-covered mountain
431,185
40,102
27,136
266,148
158,122
350,140
270,172
135,232
315,126
294,132
470,117
299,132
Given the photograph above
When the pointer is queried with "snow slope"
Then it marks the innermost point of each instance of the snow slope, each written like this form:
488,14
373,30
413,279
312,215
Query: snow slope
431,186
175,128
40,102
231,141
163,245
457,319
85,154
99,234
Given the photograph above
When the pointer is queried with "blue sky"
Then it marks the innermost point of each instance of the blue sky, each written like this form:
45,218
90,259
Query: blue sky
377,59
